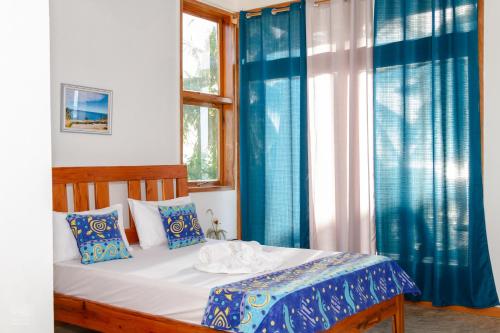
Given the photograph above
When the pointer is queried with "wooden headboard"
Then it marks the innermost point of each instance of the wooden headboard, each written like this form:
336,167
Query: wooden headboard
80,178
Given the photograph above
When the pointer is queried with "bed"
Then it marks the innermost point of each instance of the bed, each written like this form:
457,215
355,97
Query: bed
158,291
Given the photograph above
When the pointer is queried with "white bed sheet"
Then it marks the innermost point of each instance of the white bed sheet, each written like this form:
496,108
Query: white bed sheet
157,281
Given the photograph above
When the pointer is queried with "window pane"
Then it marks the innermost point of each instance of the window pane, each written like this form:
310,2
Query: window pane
201,142
200,54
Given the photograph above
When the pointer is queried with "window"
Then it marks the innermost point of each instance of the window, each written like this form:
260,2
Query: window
200,55
201,142
208,88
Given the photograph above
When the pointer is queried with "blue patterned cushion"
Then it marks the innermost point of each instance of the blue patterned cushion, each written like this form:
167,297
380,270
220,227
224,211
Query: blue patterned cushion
181,225
98,237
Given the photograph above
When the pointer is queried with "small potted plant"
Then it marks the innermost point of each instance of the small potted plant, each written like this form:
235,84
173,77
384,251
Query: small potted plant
215,232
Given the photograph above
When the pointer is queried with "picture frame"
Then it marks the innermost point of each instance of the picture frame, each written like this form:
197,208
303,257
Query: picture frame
86,109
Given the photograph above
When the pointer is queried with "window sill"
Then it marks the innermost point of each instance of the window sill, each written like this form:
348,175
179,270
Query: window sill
209,188
204,99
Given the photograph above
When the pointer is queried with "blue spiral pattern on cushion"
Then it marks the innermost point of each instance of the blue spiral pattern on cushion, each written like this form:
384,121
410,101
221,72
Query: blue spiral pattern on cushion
308,298
98,237
181,225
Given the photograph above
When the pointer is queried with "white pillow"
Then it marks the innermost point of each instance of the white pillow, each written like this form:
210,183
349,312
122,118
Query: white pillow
65,247
148,220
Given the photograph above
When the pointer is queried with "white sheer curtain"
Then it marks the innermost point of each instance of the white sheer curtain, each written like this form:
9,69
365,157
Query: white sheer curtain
340,99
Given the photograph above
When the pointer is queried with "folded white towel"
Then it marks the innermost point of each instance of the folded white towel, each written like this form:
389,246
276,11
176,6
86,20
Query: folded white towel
236,257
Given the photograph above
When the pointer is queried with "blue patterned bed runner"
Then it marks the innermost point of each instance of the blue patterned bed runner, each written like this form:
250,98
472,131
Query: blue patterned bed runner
308,298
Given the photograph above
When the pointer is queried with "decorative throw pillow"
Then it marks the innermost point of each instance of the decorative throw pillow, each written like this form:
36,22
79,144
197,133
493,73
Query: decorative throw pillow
148,220
65,247
181,225
98,237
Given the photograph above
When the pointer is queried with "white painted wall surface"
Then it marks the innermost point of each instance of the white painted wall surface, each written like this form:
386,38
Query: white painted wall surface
25,186
492,133
132,48
129,47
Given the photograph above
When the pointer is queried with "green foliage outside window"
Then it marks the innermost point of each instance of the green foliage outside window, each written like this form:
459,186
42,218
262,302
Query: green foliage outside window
200,55
201,65
201,142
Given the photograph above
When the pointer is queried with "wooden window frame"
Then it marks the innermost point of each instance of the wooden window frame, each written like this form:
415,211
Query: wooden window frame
225,101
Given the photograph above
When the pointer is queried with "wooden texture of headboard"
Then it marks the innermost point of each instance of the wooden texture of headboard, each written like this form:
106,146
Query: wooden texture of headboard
80,178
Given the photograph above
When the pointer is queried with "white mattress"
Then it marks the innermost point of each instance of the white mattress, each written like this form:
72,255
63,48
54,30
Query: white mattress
158,281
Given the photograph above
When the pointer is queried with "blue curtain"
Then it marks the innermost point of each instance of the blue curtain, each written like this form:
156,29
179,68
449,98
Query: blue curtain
273,128
428,178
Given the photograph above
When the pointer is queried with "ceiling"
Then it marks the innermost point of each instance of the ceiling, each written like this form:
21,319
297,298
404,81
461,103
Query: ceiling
238,5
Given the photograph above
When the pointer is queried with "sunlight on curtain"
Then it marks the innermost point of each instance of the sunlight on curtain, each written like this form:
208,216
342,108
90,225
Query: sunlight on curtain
339,47
273,128
428,181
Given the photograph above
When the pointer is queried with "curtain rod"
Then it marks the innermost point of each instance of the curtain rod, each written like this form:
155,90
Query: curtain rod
274,11
276,8
319,2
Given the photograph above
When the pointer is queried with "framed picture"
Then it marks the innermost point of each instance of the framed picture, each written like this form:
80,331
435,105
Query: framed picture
86,110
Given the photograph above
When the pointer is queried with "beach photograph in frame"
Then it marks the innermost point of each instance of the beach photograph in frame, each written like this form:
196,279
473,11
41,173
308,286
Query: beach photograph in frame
86,110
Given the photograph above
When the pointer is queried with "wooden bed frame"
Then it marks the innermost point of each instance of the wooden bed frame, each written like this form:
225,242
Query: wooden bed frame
172,179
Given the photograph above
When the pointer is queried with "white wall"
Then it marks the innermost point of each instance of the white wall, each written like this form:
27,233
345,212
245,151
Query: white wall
492,133
127,46
25,186
132,48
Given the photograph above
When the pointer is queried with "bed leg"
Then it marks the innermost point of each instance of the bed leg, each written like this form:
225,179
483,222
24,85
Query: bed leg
398,322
